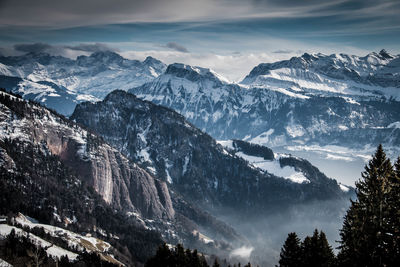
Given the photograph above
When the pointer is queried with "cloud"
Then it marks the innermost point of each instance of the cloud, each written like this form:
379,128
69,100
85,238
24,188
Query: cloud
242,252
36,47
177,47
96,47
283,51
235,66
70,51
71,13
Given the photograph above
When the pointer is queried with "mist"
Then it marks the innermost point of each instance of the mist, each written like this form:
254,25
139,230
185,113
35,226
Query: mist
267,230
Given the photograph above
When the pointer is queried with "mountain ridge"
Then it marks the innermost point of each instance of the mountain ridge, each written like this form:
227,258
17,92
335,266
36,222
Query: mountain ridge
73,81
293,102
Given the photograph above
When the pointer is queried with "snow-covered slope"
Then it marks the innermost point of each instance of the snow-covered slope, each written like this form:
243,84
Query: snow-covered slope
60,83
269,165
287,166
51,250
74,240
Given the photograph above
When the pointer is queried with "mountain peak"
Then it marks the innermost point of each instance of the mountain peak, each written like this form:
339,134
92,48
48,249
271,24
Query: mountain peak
109,55
151,60
193,73
309,57
385,54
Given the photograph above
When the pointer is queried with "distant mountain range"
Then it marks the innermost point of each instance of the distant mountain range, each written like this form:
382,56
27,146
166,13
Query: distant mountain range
60,83
314,99
337,106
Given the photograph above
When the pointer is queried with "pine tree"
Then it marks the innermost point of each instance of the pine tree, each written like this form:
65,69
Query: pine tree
364,240
290,252
392,231
316,251
216,263
325,251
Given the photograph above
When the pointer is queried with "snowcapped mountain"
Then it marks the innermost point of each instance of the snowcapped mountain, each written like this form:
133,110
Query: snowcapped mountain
319,100
376,74
60,83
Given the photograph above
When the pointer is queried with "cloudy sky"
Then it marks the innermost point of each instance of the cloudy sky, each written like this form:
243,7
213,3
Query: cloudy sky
230,36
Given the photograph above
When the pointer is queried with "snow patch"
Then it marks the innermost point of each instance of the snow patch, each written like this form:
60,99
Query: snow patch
274,167
344,188
52,250
395,125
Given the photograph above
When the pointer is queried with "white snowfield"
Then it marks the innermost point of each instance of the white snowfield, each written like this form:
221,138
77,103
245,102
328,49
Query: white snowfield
271,166
80,242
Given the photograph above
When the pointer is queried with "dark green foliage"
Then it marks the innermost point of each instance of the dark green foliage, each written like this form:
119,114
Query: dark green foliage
314,251
370,230
253,149
394,214
216,263
290,252
176,257
370,233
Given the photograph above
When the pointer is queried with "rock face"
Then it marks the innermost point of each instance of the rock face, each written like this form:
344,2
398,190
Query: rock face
120,182
314,99
60,83
190,160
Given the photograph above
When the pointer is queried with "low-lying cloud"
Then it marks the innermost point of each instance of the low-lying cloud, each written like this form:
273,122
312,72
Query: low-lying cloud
177,47
35,48
70,51
96,47
242,252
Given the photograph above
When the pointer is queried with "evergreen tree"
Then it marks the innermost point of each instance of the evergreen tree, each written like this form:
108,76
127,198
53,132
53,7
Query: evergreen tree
325,255
366,235
177,257
316,251
313,251
216,263
290,252
392,231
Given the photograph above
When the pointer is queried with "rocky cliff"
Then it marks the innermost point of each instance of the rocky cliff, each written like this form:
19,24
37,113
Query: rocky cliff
120,182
